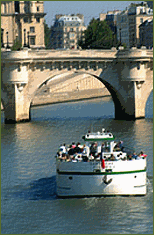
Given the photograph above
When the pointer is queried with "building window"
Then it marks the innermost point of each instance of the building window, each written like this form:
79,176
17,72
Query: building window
38,19
17,9
25,19
27,7
5,8
32,41
141,20
37,8
71,29
72,41
32,29
72,35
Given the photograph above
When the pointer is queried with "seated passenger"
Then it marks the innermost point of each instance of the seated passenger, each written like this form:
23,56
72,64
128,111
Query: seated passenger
68,158
77,149
85,150
91,158
134,156
85,158
63,156
63,148
78,157
142,155
129,157
73,159
73,145
118,157
112,158
71,151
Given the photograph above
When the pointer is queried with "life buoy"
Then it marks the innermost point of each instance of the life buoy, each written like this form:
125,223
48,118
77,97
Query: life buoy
103,163
106,181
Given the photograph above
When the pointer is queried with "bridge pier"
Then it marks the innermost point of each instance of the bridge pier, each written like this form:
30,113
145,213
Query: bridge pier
14,95
16,106
130,106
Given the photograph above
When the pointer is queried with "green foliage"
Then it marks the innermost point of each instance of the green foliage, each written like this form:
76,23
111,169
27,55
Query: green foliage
98,35
47,35
16,46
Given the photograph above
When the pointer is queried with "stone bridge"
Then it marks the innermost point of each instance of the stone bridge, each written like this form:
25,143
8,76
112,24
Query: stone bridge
127,74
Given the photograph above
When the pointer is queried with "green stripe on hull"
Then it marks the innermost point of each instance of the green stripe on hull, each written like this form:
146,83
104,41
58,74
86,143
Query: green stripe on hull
99,173
97,139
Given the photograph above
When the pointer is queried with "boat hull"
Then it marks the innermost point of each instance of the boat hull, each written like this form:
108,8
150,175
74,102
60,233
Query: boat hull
94,181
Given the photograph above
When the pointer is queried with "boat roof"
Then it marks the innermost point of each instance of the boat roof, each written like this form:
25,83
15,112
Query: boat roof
99,136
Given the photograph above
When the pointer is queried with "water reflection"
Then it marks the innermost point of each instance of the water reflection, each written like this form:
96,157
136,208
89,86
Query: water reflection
28,174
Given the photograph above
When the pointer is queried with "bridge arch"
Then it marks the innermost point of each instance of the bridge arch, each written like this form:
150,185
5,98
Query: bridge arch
55,81
59,77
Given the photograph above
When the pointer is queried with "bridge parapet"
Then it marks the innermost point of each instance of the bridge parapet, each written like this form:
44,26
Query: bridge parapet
135,54
74,54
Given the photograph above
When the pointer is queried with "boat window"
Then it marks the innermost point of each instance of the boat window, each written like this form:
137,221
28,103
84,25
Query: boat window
105,147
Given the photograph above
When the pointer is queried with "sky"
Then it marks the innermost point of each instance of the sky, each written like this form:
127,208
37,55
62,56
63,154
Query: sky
90,9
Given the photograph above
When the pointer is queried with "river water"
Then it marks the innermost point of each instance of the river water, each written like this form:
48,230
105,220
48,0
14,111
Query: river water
28,201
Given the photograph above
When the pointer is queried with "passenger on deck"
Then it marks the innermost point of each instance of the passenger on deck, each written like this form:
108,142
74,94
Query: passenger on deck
63,148
112,158
68,158
71,151
73,159
102,148
63,156
77,149
93,149
129,157
73,145
85,150
84,158
142,155
134,156
91,158
121,144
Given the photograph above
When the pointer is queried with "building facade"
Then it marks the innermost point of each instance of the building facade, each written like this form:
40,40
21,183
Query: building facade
23,22
146,34
66,31
123,28
134,15
111,18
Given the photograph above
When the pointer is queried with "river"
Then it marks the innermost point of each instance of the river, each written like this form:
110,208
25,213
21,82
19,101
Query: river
28,201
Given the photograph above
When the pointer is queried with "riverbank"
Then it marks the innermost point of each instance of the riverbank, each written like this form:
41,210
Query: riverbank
46,98
64,97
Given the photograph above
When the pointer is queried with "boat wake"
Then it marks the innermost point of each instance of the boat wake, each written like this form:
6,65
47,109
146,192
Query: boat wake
149,183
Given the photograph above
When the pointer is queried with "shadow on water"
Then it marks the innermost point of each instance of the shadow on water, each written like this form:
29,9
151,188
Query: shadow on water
45,189
42,189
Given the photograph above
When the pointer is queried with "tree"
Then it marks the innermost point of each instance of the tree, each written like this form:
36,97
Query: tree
47,35
98,35
17,45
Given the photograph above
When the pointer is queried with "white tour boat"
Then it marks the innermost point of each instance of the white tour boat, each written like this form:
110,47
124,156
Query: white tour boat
99,167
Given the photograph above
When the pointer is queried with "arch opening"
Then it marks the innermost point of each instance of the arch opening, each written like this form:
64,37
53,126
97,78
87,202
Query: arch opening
149,105
69,86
